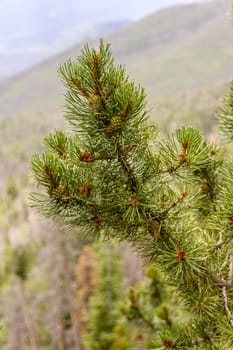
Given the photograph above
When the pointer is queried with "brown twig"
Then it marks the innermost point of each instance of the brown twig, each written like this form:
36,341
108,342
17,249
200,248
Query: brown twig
221,243
178,201
226,307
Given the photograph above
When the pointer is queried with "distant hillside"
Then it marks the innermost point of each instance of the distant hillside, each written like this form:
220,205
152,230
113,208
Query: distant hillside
45,28
21,52
177,49
22,135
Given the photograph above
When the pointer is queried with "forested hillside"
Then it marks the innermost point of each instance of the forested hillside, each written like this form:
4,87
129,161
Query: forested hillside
175,50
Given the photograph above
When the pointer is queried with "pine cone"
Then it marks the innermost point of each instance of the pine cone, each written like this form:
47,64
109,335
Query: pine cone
114,125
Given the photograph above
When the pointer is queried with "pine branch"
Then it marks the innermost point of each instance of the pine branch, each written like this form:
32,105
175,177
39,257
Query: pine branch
225,116
170,201
226,307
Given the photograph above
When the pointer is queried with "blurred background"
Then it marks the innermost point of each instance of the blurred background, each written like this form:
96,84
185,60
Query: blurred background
181,52
34,30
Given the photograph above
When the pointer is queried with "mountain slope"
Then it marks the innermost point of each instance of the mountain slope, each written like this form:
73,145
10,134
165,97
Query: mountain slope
181,48
21,52
176,49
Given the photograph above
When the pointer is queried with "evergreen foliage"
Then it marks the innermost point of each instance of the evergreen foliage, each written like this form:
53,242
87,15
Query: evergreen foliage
106,329
11,188
226,116
22,260
148,306
171,197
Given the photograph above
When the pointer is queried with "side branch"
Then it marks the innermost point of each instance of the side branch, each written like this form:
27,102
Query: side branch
226,307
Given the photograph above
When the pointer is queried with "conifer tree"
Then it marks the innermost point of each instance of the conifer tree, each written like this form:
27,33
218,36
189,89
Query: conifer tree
86,281
22,266
226,116
170,197
147,306
105,330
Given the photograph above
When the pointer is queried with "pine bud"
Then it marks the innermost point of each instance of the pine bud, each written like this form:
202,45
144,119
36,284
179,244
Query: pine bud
180,254
134,201
85,189
86,157
230,220
96,222
169,345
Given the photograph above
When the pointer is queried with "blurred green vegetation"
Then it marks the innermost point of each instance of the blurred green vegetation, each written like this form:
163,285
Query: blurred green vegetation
22,135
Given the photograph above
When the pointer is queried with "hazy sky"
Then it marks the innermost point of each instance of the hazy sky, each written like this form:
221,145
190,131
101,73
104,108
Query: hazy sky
31,30
18,16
